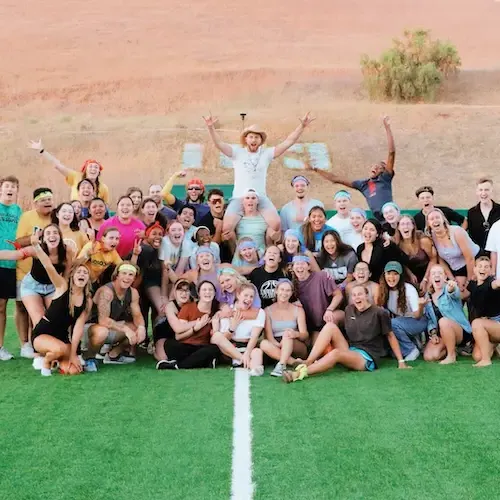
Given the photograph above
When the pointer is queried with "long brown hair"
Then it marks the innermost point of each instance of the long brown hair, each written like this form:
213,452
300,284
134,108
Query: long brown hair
415,239
87,294
400,289
307,230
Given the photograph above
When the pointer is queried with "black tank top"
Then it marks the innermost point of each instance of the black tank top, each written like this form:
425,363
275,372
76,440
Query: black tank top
58,313
39,273
418,264
120,308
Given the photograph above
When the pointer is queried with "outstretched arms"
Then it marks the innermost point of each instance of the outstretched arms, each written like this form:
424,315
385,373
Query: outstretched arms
38,146
294,136
391,157
336,179
219,144
57,280
166,192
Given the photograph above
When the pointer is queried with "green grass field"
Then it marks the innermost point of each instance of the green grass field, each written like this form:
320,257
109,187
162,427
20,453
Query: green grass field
132,432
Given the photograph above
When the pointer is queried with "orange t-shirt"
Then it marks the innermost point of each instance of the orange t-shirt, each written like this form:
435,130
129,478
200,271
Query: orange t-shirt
190,312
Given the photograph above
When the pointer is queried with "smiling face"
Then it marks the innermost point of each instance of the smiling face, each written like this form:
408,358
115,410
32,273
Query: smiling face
216,203
484,191
203,237
284,292
136,197
182,294
176,233
376,170
250,202
125,278
437,277
369,232
291,245
317,219
92,171
125,208
228,283
194,192
205,261
301,270
206,293
149,210
186,218
8,192
86,191
65,214
426,200
51,237
44,205
390,214
482,269
81,277
154,237
77,208
359,298
342,205
155,193
245,297
110,240
392,278
301,188
330,244
435,220
97,210
362,272
272,257
249,255
357,221
253,141
406,227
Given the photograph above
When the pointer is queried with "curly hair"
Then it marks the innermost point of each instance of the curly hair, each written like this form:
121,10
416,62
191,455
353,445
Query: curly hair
401,291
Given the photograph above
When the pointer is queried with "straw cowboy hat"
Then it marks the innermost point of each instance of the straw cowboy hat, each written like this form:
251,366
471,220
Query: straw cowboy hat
253,129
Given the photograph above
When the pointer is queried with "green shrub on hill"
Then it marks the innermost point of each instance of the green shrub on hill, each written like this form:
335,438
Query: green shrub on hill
412,70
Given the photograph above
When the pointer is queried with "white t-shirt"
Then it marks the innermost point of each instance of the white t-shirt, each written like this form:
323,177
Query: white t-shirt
493,244
215,250
411,301
354,239
244,329
172,253
342,226
250,169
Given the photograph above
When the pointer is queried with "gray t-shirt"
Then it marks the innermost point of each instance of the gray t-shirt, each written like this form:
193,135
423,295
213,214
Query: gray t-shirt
339,268
377,191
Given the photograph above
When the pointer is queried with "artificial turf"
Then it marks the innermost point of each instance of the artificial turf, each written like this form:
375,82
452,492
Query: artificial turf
130,432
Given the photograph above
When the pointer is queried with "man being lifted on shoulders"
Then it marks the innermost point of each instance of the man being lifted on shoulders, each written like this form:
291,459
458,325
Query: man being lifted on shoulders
251,161
377,189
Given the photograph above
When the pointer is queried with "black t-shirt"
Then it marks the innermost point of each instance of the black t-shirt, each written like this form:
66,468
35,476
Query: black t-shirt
225,250
477,227
484,300
150,266
368,330
266,284
448,212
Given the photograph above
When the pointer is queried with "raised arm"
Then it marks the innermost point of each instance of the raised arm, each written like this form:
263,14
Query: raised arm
38,146
294,136
391,157
223,147
57,280
329,176
166,192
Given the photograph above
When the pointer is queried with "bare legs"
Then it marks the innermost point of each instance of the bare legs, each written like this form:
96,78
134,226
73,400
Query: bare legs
486,333
451,335
52,349
287,348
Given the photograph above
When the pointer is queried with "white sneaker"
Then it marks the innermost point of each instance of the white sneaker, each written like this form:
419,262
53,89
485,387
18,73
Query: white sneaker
27,351
257,372
37,362
5,355
104,350
278,370
46,372
414,354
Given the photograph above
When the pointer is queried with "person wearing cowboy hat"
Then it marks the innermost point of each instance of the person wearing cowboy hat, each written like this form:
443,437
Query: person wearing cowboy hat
250,162
294,212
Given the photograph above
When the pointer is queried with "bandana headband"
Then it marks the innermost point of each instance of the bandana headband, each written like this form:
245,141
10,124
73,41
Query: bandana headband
359,211
127,267
156,225
300,178
301,258
390,204
342,194
246,244
226,270
43,194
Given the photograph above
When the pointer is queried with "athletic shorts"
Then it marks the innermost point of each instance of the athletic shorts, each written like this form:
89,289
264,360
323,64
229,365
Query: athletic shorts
241,346
369,362
235,206
111,339
30,286
44,327
8,283
462,272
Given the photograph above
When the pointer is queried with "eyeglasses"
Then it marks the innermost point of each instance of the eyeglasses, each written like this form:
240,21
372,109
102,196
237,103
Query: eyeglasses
194,188
216,201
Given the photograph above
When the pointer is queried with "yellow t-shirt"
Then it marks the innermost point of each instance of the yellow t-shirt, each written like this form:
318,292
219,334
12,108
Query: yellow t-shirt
28,221
99,261
75,240
73,178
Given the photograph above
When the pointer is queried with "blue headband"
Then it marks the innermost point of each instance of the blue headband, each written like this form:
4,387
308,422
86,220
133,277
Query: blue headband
390,204
284,280
300,178
247,244
294,233
342,194
201,250
301,258
226,270
359,211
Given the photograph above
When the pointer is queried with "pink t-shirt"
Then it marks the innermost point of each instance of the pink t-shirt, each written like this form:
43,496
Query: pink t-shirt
127,233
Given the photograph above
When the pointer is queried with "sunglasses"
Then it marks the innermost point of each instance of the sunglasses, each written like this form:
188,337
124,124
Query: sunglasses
216,201
194,188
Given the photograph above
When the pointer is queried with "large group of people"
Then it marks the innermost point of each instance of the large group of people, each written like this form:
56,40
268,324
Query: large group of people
203,281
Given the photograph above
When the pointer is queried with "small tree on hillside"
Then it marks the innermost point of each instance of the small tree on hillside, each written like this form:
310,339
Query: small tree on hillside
413,69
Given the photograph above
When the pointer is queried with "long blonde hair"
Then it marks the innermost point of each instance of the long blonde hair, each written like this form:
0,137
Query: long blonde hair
428,230
87,295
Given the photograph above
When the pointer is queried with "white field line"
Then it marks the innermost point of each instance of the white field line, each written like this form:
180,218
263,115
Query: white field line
241,480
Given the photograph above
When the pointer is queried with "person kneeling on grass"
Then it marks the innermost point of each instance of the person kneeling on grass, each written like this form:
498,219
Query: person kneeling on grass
191,348
236,337
286,329
118,321
367,328
447,325
406,309
68,311
484,300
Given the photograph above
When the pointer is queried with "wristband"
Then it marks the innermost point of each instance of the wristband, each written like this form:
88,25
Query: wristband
401,361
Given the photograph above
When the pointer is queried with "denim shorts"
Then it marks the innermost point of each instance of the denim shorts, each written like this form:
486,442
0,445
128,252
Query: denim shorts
370,364
235,206
30,286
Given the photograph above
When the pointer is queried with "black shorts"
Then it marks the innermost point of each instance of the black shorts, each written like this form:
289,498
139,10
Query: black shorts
460,272
44,327
7,283
163,331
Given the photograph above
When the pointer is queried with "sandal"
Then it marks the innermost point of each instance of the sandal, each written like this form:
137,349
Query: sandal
302,371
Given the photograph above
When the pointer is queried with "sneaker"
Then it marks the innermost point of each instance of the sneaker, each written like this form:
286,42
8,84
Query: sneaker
104,350
257,372
27,351
5,355
37,362
119,360
236,363
46,372
278,370
414,354
167,364
90,366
